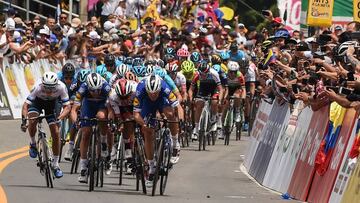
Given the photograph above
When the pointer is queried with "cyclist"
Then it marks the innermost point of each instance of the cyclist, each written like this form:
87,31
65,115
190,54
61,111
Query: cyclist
107,69
152,95
208,82
120,107
44,96
81,78
179,79
67,75
236,54
121,71
195,57
188,70
236,85
92,96
182,54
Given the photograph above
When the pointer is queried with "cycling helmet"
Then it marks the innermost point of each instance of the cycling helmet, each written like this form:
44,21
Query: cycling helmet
122,69
94,81
233,66
160,63
182,53
169,58
217,68
101,70
187,66
195,57
170,51
150,69
121,58
160,72
83,73
109,60
172,67
153,84
139,71
137,62
215,59
344,47
50,79
149,62
204,66
282,33
129,61
266,45
244,62
68,69
123,88
225,55
203,30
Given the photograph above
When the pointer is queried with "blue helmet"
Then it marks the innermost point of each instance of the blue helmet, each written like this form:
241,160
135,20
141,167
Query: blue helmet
101,70
82,74
139,71
121,59
225,55
129,61
195,57
282,33
170,51
160,72
217,67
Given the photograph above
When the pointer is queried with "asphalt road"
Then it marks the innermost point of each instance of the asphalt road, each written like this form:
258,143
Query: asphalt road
210,176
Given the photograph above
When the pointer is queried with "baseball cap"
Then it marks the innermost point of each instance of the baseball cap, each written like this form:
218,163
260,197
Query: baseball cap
94,35
227,27
108,25
75,22
278,20
338,27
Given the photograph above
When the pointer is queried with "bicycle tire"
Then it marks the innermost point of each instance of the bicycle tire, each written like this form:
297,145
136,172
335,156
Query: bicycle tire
48,170
227,135
41,163
140,167
201,136
120,161
76,154
238,130
159,163
101,171
63,133
165,171
92,162
213,138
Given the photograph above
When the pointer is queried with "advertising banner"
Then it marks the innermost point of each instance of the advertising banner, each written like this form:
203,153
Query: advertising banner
352,192
345,171
320,13
287,149
262,117
356,8
304,169
323,182
5,112
274,127
293,9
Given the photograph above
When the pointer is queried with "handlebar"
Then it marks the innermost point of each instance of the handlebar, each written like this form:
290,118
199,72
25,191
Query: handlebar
39,118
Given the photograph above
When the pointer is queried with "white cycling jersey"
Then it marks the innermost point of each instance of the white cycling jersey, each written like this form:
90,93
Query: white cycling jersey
39,91
180,80
116,102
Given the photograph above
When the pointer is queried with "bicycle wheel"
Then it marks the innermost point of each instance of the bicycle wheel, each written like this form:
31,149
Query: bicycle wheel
92,161
41,163
76,154
253,111
165,170
101,171
238,130
46,156
213,138
63,133
201,138
227,134
140,166
120,160
159,165
204,141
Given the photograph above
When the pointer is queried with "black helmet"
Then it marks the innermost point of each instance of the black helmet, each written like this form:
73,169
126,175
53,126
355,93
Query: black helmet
234,46
129,61
204,66
170,51
68,69
109,60
137,62
160,63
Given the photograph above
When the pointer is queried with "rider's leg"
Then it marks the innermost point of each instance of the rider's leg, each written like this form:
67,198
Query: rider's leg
32,126
55,134
84,145
105,136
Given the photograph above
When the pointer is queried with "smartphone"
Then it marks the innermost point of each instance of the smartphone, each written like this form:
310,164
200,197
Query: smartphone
265,13
295,88
335,89
350,76
344,91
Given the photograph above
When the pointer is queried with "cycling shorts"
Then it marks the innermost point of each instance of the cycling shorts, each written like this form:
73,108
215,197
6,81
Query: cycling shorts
89,109
38,105
149,109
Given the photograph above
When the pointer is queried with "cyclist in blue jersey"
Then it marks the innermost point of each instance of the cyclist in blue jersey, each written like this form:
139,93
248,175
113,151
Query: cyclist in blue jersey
81,78
236,54
169,81
153,95
107,69
67,75
91,97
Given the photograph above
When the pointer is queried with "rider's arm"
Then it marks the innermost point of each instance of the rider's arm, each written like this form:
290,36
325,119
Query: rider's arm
25,109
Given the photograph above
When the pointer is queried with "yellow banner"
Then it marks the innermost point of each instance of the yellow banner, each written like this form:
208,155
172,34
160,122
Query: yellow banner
320,12
356,10
352,193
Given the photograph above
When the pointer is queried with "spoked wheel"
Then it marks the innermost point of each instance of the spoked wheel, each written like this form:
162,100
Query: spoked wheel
165,170
101,171
140,168
238,130
208,137
201,139
75,159
120,160
213,137
159,165
47,167
92,162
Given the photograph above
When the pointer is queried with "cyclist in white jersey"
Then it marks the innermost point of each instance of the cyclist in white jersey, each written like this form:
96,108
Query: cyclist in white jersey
44,96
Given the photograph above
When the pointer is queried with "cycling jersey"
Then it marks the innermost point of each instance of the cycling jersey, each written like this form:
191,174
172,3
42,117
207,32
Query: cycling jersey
148,108
106,75
250,75
207,82
180,80
113,79
238,56
222,75
42,99
91,105
122,107
170,82
236,83
61,77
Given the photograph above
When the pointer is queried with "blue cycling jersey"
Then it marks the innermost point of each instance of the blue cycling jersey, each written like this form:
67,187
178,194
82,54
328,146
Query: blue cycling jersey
147,107
61,77
105,74
222,74
83,93
238,56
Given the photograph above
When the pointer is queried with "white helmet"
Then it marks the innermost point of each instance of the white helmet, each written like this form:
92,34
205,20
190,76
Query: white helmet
94,81
123,87
233,66
149,69
122,69
50,79
344,47
153,84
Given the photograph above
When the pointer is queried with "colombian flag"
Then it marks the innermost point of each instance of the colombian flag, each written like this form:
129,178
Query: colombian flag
328,143
270,59
355,149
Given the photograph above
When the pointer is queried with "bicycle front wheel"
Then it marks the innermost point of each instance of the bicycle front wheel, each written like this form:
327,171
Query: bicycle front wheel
92,162
159,165
46,159
166,166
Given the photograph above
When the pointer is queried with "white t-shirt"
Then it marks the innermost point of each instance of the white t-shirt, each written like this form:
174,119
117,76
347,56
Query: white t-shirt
109,7
4,49
10,23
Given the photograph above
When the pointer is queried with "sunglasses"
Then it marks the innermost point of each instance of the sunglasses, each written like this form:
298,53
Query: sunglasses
36,22
63,17
49,87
